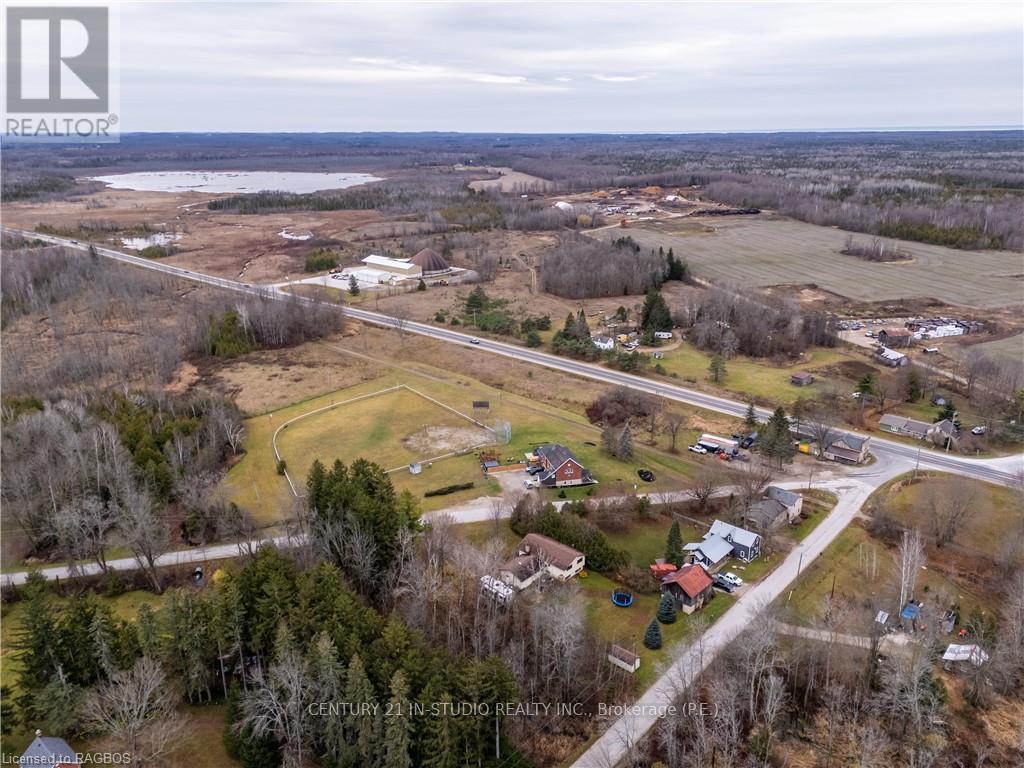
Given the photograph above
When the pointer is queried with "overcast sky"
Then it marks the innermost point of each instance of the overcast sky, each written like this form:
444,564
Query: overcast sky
550,67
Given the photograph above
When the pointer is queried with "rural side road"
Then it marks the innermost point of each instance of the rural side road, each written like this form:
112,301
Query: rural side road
1007,470
616,743
473,511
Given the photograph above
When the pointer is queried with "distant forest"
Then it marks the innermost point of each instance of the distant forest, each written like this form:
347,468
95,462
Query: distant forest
963,189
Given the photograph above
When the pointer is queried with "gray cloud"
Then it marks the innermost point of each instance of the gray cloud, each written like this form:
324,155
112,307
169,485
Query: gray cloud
569,67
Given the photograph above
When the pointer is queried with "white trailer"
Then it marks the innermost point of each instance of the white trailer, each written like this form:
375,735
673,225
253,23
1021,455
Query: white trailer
714,442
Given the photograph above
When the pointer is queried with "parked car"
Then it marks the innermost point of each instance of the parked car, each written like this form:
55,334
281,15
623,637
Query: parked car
931,350
528,484
474,341
856,327
870,334
732,578
723,456
749,440
698,449
535,470
979,430
722,584
646,475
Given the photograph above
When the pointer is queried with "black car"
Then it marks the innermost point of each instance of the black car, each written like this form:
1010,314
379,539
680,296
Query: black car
646,475
749,440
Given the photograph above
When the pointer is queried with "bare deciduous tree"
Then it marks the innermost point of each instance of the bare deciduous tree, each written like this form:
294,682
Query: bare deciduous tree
911,558
672,423
138,710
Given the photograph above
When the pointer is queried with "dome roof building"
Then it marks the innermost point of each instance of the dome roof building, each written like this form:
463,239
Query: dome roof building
430,262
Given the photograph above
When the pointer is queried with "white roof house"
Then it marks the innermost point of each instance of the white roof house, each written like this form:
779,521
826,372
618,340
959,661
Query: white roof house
971,653
401,267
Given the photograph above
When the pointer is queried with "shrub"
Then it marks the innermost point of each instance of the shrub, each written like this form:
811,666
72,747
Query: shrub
319,260
455,488
282,465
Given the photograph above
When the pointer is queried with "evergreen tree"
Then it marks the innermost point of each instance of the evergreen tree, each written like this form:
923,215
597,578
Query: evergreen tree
437,742
625,446
8,715
666,610
652,637
915,387
398,725
865,387
676,269
609,441
533,339
362,726
776,440
149,633
421,286
101,633
948,411
353,286
582,328
716,368
674,545
476,301
750,420
327,675
655,315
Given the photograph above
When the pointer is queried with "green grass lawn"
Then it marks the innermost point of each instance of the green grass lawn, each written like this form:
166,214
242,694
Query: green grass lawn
817,504
374,428
646,540
757,379
626,626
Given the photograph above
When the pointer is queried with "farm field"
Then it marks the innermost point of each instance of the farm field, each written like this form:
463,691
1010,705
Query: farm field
1010,348
760,252
397,428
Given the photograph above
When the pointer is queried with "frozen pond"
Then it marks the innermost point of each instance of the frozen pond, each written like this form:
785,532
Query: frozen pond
138,243
233,181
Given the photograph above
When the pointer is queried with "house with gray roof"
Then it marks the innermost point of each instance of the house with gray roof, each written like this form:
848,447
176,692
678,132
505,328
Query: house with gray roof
746,545
778,506
710,553
847,448
49,751
939,432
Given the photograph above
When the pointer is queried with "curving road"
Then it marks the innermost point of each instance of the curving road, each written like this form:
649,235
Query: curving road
889,453
621,737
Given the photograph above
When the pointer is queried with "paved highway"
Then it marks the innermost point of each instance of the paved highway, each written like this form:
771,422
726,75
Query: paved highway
621,737
1007,470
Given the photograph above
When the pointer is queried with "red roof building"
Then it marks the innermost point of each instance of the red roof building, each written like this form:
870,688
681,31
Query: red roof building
690,586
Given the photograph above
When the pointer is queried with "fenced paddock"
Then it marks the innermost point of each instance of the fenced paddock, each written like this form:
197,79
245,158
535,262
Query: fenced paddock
394,427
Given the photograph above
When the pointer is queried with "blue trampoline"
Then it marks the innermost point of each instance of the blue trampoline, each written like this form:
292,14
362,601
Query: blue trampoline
622,599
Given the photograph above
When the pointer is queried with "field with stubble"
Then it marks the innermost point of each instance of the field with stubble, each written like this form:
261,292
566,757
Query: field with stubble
756,252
